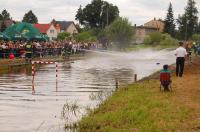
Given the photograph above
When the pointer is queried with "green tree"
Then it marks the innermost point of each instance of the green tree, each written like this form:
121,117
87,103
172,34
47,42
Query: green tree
85,36
97,14
5,15
63,36
169,22
188,22
30,17
120,32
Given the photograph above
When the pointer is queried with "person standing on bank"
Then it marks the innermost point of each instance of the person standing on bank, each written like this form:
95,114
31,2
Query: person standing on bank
180,54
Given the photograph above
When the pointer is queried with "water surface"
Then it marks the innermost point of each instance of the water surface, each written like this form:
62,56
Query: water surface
24,108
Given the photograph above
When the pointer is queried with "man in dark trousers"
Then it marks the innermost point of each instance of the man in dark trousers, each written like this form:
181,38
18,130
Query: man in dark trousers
180,54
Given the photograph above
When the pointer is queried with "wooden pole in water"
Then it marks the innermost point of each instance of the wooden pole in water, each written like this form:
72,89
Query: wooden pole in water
33,71
135,77
116,83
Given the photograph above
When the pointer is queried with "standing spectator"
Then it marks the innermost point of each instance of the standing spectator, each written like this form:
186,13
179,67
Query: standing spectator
180,54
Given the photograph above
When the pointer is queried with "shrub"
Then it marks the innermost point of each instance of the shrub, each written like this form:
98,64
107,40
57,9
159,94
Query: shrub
85,36
196,37
63,36
168,40
147,40
156,37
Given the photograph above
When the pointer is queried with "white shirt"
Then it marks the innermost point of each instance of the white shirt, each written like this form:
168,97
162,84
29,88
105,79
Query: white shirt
180,52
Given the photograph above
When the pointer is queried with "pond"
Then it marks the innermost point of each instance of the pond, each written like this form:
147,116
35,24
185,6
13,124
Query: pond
25,107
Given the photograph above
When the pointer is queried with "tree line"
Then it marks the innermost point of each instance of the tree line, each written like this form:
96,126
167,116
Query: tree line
101,19
104,18
187,23
29,17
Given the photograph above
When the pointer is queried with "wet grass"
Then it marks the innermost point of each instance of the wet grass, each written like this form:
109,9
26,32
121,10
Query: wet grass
139,107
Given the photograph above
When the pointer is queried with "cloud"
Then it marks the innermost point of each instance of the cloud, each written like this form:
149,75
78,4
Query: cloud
138,11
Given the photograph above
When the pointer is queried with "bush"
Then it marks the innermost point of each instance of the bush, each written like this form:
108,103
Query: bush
156,37
196,37
63,36
168,40
147,40
85,36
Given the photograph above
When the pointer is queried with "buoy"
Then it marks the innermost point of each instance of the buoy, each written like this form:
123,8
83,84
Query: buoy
11,56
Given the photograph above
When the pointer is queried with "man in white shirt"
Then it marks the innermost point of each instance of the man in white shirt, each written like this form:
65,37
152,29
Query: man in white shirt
180,54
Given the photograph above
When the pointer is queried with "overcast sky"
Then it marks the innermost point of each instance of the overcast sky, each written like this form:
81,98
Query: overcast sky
137,11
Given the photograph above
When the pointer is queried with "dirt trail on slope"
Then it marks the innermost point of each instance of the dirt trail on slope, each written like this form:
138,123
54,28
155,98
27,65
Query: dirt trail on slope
187,91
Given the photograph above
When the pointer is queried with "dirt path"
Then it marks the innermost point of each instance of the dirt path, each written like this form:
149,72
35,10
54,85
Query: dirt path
187,91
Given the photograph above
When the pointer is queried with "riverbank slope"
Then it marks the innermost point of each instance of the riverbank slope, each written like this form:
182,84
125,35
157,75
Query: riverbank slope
142,107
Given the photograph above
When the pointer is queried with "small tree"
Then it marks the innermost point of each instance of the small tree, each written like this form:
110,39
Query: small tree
120,32
30,17
63,36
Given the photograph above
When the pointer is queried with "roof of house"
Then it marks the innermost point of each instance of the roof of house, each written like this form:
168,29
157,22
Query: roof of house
64,24
43,28
146,27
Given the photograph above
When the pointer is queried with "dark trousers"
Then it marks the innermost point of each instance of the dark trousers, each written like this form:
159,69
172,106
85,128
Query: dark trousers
180,66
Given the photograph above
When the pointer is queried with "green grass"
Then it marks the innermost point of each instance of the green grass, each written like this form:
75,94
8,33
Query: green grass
140,108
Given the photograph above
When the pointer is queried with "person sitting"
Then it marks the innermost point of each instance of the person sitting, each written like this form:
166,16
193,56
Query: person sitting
165,78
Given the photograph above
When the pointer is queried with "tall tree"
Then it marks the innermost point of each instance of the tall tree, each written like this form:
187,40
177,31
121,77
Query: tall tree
30,17
188,22
169,21
5,15
97,14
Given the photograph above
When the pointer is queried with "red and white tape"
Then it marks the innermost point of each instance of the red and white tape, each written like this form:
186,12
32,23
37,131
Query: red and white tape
43,62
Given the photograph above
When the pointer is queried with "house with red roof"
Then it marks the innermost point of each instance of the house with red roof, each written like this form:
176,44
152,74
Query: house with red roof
47,29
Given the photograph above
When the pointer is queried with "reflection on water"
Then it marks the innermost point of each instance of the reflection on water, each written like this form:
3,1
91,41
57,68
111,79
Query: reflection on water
24,107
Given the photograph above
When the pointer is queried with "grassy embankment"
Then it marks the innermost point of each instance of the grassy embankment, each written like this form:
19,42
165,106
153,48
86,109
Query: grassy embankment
141,107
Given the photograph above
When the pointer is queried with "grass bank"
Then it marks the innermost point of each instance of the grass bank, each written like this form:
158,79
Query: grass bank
141,107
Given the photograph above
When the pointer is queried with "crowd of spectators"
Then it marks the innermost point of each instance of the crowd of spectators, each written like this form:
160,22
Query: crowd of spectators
42,49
